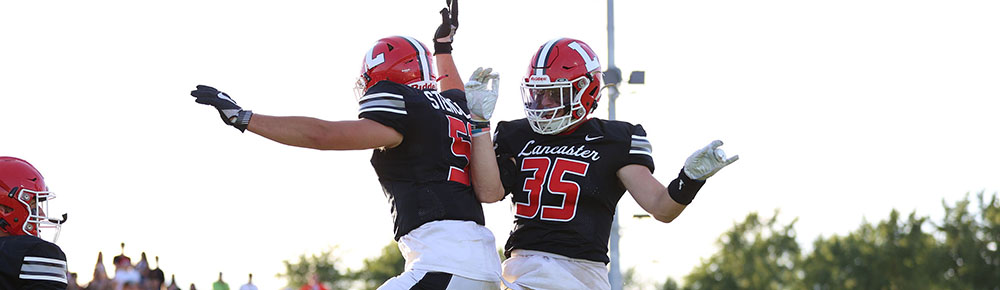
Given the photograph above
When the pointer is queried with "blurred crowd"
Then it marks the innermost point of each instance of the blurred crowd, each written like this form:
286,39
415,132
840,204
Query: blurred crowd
138,276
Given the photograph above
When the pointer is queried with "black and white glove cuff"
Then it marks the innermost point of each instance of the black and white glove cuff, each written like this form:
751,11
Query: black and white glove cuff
243,120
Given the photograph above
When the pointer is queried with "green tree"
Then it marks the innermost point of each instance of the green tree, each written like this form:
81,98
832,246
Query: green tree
970,244
754,254
379,269
670,284
895,254
325,265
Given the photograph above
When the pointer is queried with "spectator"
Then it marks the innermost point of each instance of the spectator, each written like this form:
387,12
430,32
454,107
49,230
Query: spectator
125,272
314,283
155,279
130,285
143,267
100,280
173,284
249,285
220,285
72,285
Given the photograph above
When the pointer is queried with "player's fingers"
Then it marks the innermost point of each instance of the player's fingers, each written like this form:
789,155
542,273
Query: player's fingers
205,101
715,144
477,73
204,87
444,15
496,82
454,13
732,159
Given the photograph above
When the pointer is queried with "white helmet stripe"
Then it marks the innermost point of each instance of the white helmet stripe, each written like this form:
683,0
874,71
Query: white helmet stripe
543,55
425,69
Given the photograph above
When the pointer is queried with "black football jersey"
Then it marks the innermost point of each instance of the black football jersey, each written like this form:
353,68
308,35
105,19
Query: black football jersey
28,262
565,187
426,177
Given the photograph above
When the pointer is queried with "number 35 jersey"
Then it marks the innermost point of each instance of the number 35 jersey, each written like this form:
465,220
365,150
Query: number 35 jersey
426,176
565,187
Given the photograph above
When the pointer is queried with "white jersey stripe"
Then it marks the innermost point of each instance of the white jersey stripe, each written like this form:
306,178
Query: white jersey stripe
382,109
44,260
380,95
43,277
640,152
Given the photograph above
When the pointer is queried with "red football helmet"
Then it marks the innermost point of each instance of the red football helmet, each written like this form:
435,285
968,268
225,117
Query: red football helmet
23,199
399,59
563,85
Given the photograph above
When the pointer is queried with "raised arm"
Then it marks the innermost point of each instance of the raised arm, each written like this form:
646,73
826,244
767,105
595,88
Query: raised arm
651,195
485,176
319,134
300,131
443,37
667,202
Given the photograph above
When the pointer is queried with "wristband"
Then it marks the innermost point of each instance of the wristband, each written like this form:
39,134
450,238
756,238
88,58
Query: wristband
442,48
243,120
683,188
476,124
479,131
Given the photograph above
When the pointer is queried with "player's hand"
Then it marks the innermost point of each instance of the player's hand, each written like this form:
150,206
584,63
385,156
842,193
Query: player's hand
482,100
445,33
707,161
230,112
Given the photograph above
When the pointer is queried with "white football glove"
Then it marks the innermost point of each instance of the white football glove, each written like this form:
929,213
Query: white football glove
707,161
481,100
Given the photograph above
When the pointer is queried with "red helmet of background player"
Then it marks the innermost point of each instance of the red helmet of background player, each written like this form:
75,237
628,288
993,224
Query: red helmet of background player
23,198
562,86
399,59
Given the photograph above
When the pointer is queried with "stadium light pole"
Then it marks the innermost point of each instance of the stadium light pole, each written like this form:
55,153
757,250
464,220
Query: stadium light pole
612,78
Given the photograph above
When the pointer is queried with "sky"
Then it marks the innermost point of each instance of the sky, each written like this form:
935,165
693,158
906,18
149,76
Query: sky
840,111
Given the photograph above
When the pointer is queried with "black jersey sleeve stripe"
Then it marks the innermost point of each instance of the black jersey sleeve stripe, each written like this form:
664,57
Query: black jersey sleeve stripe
384,102
640,145
41,268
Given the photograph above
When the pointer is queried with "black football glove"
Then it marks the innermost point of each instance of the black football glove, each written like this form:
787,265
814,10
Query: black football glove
230,112
446,32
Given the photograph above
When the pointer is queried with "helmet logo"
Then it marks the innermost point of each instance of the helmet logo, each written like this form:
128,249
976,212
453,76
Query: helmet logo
591,62
370,61
538,78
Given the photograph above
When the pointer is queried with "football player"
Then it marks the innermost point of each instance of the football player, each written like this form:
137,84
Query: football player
434,164
27,261
567,171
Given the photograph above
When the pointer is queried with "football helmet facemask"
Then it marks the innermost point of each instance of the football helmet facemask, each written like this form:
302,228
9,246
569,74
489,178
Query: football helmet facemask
399,59
562,87
24,199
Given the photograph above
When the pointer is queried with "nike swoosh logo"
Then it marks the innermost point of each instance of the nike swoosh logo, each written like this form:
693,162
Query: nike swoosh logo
588,138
